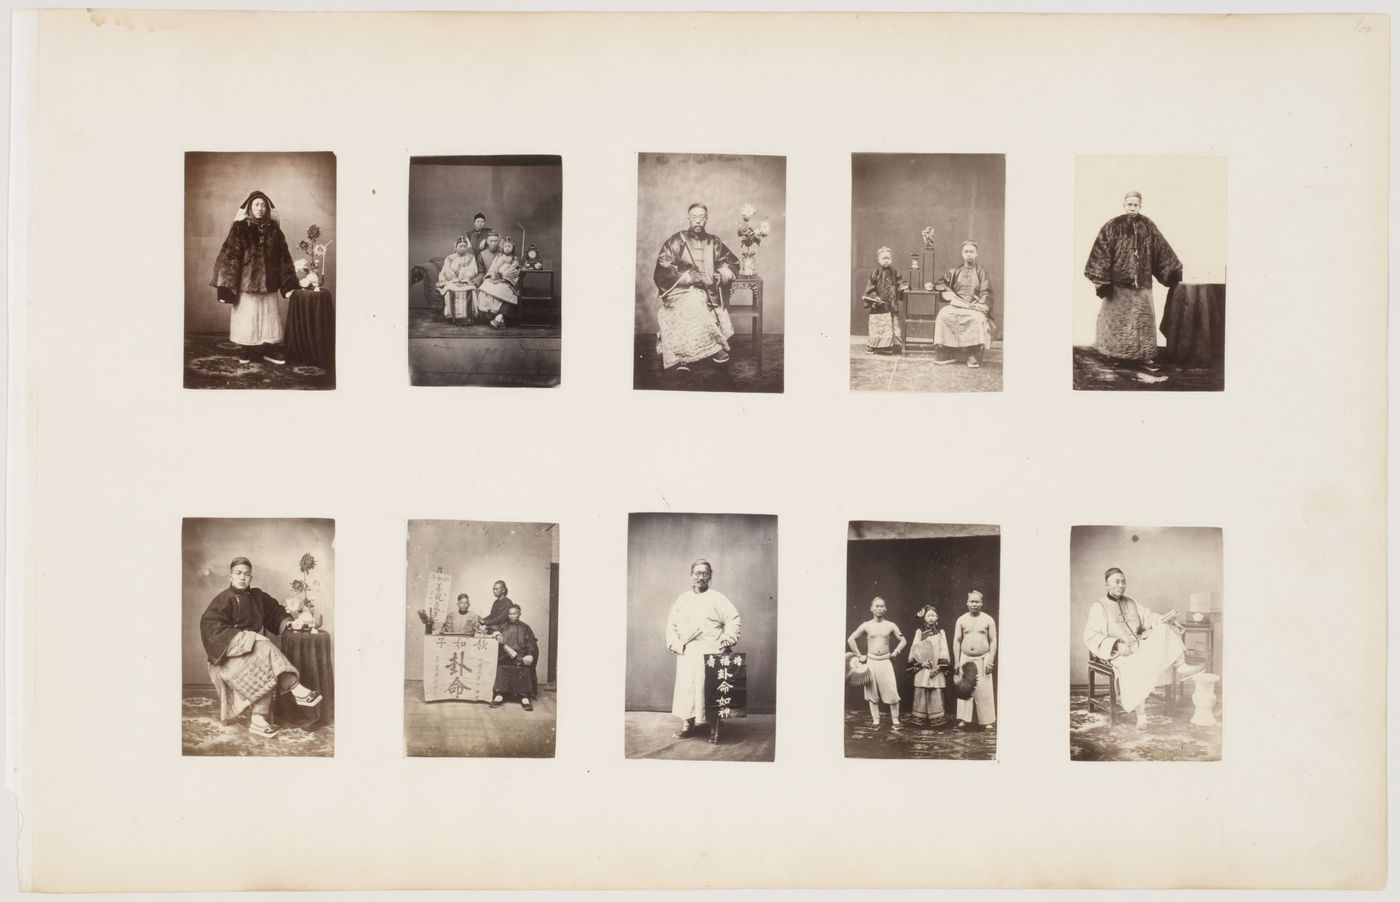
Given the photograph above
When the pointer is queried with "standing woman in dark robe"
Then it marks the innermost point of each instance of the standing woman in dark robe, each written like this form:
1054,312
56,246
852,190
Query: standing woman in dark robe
254,266
515,666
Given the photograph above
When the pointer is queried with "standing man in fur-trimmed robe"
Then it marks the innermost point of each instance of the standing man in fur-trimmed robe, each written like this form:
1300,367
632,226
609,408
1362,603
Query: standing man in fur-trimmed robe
702,622
1128,252
693,268
883,291
254,265
1137,643
247,668
963,329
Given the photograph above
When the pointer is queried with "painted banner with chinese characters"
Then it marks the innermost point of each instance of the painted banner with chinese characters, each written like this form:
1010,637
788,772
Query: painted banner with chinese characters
458,668
438,600
727,684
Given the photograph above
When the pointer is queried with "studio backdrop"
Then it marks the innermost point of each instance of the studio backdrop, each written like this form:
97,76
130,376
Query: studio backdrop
743,549
936,564
519,195
275,546
475,555
894,197
668,183
1164,566
302,188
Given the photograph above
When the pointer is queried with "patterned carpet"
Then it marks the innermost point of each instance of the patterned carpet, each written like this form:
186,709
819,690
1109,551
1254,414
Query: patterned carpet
202,733
1095,372
864,741
1174,738
211,361
916,371
740,374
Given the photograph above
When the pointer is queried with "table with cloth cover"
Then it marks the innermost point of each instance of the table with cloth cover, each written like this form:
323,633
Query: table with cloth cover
310,653
1193,321
311,328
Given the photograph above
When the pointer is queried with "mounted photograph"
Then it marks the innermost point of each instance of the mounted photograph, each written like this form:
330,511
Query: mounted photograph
923,603
1145,668
260,250
481,634
485,249
257,615
702,636
1149,244
711,271
927,263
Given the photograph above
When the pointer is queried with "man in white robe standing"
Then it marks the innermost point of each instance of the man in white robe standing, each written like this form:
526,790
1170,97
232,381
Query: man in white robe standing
702,622
1136,642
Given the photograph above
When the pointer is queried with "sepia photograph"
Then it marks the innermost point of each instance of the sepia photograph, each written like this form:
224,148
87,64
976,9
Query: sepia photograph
1149,240
1145,667
927,260
257,619
481,639
923,601
485,244
711,266
702,636
260,270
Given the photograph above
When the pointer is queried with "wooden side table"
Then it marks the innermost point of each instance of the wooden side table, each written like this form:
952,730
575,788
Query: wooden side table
537,306
920,308
754,285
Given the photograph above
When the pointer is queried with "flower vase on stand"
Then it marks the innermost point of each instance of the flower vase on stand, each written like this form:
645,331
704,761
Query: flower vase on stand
746,258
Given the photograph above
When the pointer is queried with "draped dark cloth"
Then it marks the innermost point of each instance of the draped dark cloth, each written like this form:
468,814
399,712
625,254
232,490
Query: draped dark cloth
311,654
1193,320
230,611
1129,251
310,334
513,677
254,258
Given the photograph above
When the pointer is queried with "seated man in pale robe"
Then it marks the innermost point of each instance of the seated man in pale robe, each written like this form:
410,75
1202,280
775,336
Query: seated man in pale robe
702,622
963,329
245,665
1139,644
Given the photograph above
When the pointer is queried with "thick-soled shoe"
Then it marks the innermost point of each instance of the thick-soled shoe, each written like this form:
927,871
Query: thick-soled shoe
274,357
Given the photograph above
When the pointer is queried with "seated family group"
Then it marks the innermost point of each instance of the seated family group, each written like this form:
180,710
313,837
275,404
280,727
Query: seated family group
480,281
518,648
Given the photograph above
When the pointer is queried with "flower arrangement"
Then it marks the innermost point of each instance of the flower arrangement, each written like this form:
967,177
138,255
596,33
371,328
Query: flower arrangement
316,266
303,605
751,235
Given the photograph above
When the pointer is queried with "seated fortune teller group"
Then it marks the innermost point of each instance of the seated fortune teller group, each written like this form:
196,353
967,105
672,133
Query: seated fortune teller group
480,280
518,648
962,330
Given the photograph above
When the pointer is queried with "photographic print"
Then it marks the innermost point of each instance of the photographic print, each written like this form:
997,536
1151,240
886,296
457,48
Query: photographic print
702,632
927,262
1149,241
258,615
481,639
260,270
921,655
485,245
711,249
1147,639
